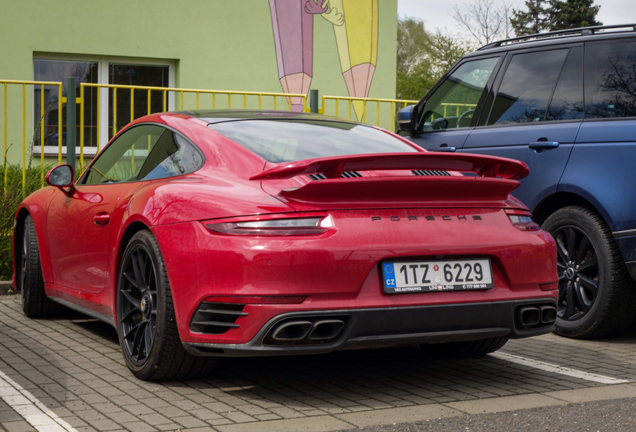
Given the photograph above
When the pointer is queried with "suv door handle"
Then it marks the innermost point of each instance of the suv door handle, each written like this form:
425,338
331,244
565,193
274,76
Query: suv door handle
444,148
101,219
540,146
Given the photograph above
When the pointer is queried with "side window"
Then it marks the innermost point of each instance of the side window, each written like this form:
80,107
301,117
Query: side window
527,86
567,101
610,79
123,159
171,156
452,105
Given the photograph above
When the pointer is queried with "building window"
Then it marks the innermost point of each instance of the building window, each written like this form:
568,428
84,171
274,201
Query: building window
136,75
112,117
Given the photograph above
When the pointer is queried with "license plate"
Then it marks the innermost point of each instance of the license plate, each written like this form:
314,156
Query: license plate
427,276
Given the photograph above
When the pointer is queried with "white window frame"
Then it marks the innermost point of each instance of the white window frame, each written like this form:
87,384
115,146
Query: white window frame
103,63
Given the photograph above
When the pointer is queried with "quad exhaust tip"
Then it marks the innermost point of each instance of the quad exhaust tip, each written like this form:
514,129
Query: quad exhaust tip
548,314
534,316
326,329
305,332
292,331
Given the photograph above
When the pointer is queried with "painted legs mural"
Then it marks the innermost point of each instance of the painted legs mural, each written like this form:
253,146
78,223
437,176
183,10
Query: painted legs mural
356,29
293,36
357,41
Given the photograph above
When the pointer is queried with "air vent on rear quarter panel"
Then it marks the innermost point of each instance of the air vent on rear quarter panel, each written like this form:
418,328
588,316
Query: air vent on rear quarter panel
430,173
345,174
216,318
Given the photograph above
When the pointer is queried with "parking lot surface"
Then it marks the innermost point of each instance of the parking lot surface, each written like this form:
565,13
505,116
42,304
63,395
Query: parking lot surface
68,374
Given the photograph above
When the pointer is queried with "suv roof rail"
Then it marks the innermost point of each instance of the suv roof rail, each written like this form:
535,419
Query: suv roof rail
581,31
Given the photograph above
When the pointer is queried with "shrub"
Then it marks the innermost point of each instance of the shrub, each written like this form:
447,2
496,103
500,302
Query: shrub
9,201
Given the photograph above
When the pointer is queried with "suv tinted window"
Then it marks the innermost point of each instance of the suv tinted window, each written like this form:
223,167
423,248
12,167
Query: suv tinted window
567,102
527,87
610,79
451,106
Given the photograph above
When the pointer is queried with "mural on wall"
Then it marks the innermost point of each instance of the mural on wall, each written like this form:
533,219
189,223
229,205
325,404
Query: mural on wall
355,24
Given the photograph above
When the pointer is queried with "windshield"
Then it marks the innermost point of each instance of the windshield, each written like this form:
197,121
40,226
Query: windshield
288,141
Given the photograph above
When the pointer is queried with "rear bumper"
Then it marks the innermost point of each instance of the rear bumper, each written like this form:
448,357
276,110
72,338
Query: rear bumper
394,326
340,270
627,246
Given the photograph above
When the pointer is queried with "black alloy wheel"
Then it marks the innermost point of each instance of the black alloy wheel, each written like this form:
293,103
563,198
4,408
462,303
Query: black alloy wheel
578,271
146,320
138,305
596,294
23,266
35,303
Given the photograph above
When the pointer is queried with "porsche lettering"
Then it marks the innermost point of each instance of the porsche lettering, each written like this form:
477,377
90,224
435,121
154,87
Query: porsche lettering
428,218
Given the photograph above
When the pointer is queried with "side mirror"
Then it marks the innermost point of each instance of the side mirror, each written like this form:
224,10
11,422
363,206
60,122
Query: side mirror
61,176
405,120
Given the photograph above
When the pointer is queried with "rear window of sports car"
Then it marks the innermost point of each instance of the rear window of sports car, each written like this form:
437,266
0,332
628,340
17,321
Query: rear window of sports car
288,141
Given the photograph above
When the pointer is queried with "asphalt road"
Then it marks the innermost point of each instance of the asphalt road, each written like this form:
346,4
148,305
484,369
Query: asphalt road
615,415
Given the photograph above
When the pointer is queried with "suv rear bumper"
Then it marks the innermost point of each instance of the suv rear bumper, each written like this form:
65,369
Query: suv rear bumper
388,327
631,268
626,241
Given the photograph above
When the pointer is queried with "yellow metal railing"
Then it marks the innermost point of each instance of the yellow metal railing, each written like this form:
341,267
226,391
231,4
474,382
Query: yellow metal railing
358,107
6,86
457,107
164,93
381,112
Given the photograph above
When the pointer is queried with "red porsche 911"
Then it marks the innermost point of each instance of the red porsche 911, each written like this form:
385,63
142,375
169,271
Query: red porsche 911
210,234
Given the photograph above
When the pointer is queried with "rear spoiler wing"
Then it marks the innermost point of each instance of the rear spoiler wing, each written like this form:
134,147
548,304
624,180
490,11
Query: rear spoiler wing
332,167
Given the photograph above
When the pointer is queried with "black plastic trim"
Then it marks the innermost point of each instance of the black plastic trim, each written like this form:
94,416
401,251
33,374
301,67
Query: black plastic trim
631,268
423,172
216,317
85,311
624,233
559,34
395,326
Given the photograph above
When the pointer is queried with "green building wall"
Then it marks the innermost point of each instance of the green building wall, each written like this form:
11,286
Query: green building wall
213,44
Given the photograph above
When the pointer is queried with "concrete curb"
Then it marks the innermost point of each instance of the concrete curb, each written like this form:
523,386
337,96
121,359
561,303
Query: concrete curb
5,286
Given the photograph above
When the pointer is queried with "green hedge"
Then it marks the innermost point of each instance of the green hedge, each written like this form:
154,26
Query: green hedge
10,199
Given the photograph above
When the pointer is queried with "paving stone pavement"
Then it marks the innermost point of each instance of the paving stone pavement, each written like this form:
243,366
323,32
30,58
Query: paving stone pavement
74,367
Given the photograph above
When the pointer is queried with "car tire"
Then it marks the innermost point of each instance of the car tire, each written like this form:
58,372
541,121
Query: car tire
146,321
35,303
463,349
596,293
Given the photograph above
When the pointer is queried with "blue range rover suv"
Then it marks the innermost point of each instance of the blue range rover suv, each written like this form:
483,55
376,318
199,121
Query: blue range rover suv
564,103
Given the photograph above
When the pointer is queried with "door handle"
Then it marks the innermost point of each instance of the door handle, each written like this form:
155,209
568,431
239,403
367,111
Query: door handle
540,146
444,148
101,219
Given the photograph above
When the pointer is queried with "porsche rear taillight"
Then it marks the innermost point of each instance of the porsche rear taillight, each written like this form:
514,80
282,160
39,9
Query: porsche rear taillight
275,226
522,220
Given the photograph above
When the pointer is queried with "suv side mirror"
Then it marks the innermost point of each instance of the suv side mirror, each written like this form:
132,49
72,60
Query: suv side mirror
405,120
61,176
